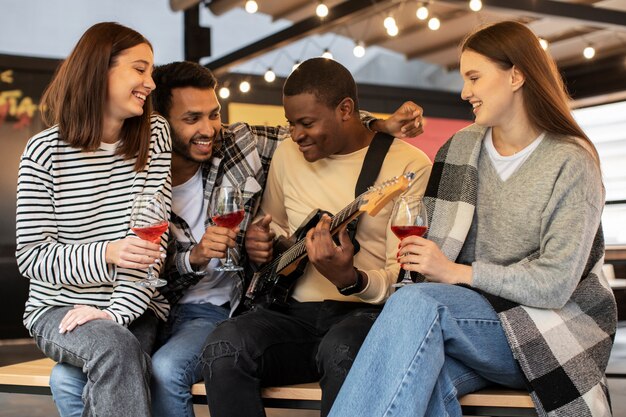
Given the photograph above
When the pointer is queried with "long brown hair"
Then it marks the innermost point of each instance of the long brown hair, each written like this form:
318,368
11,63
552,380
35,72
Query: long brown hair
546,99
76,97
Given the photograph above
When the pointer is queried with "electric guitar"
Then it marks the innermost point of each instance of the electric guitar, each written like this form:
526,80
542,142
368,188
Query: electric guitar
273,283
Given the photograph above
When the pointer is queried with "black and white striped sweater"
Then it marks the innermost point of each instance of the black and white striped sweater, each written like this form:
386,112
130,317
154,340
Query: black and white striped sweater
70,203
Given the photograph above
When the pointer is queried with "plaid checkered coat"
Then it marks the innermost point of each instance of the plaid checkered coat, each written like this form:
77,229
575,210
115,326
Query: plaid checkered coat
562,353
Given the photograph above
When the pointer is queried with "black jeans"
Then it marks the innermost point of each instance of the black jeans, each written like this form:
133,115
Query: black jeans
309,342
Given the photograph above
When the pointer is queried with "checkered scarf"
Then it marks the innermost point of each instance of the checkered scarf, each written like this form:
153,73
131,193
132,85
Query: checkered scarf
562,353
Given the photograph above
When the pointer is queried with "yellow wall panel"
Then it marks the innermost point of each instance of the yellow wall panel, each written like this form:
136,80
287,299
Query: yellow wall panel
264,114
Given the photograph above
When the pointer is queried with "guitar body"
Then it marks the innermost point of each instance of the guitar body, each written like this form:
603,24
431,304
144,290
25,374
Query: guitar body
276,295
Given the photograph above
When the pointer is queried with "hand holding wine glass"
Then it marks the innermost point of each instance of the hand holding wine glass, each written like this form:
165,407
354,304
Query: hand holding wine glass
226,210
149,220
408,218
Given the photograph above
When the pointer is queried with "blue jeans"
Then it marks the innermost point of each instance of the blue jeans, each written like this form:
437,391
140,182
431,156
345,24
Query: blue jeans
431,344
175,365
117,367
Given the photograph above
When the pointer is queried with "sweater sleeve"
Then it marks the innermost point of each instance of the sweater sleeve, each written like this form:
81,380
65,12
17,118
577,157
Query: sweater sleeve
129,301
39,254
569,222
380,280
273,200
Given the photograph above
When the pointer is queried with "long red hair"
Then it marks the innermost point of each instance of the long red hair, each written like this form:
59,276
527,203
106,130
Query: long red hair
76,97
546,99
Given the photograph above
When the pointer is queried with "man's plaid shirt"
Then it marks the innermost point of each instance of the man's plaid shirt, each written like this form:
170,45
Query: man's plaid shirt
241,157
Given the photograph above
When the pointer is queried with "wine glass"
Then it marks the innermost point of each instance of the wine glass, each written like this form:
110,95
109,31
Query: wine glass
149,220
226,210
408,218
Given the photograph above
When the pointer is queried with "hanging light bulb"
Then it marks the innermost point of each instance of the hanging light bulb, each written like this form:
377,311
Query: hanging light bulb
393,31
434,23
295,65
359,50
327,54
543,43
321,10
389,22
475,5
589,52
251,6
269,76
224,92
244,86
422,12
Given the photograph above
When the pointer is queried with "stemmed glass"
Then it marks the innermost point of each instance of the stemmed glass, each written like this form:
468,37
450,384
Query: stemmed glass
149,220
408,218
226,210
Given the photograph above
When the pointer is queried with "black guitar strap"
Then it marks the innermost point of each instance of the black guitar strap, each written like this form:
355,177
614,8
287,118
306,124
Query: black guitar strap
372,163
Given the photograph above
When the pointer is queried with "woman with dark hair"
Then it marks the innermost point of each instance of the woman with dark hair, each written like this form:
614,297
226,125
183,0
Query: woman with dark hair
76,183
515,203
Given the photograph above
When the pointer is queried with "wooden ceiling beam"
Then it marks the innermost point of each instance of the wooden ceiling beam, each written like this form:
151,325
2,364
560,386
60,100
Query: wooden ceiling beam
337,15
589,15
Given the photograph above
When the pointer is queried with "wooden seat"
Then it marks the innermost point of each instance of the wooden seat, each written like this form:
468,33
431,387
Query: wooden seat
33,377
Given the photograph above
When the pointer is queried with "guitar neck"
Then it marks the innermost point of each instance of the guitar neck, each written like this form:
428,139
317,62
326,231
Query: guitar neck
299,248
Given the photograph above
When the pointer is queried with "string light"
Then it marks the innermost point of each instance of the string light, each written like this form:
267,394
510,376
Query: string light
422,12
434,23
321,10
327,54
543,43
390,25
359,50
244,86
269,76
589,52
251,6
224,92
475,5
389,22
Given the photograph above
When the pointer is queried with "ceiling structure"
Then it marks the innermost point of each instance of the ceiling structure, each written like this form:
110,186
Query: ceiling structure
568,25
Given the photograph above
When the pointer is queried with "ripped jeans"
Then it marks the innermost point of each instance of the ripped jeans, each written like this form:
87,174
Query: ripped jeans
309,342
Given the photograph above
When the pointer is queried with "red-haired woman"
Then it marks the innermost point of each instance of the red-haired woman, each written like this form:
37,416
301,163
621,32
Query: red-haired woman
515,203
76,182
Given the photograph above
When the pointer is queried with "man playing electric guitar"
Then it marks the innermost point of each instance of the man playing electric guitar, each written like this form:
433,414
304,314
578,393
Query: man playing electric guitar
334,303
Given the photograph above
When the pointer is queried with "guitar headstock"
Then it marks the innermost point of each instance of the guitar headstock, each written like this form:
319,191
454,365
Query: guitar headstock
375,198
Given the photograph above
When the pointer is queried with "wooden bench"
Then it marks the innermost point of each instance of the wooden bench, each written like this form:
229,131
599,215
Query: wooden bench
33,377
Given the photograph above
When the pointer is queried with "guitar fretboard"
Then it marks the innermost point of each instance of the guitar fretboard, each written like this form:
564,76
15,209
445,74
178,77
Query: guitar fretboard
299,249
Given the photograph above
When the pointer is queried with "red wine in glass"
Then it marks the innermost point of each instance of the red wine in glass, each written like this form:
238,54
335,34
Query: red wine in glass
230,220
406,231
226,210
408,218
151,233
149,220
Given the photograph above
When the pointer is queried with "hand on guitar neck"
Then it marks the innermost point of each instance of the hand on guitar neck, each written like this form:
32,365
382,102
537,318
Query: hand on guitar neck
333,261
259,241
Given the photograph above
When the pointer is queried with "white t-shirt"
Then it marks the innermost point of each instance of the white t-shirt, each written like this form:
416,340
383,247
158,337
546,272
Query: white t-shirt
507,165
188,202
